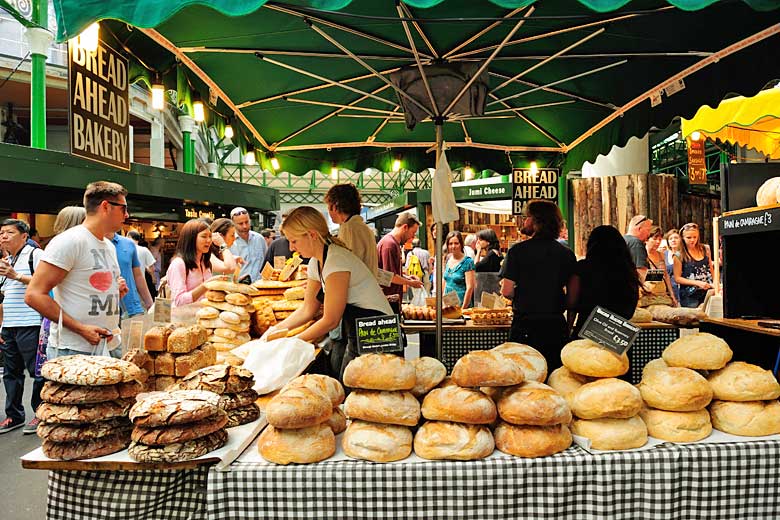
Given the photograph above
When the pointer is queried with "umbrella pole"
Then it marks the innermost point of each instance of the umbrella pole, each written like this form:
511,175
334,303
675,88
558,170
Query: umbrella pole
437,252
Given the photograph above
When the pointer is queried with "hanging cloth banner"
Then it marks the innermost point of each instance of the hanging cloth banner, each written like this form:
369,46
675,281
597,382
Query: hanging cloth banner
442,197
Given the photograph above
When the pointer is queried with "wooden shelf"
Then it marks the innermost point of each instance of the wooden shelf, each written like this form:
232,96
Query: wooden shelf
746,325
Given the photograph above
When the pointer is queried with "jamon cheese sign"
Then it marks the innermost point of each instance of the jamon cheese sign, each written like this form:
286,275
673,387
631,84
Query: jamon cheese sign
99,109
529,184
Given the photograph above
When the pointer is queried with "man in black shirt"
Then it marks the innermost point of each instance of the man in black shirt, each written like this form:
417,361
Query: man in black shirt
534,275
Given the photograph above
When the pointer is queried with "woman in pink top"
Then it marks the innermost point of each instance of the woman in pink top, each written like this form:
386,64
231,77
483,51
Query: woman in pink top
191,266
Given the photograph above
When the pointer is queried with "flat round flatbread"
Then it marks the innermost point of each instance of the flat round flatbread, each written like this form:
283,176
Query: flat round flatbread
238,299
89,370
161,435
80,414
82,432
179,451
243,415
276,284
60,393
88,449
232,401
176,407
220,379
215,296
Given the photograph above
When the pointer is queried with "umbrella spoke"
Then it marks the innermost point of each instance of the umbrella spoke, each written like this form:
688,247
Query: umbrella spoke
536,127
480,33
416,25
434,106
556,91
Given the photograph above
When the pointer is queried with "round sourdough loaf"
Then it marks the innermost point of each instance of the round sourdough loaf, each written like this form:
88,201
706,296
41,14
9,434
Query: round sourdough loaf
233,401
177,407
337,421
179,451
298,407
456,404
534,404
486,368
159,435
377,442
220,379
675,389
750,418
699,351
606,399
61,393
453,441
612,434
90,370
655,364
380,372
740,381
245,414
532,441
588,358
299,446
429,372
530,360
83,413
324,384
86,449
677,426
566,382
81,432
382,406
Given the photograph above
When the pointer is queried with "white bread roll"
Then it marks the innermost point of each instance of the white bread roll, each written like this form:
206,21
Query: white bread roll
456,404
533,404
532,441
323,384
429,372
566,382
383,407
699,351
377,442
606,399
337,421
677,426
655,364
380,372
588,358
300,446
740,381
486,368
751,418
298,408
675,389
437,440
612,434
767,193
530,360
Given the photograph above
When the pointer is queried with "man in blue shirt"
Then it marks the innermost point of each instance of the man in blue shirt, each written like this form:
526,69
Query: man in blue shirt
249,245
137,299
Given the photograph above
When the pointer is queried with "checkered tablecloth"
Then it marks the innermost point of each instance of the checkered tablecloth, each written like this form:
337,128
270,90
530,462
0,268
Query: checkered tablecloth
712,481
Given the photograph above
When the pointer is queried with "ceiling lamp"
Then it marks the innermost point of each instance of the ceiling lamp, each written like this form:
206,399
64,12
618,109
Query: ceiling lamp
89,38
229,131
274,161
249,158
158,94
198,111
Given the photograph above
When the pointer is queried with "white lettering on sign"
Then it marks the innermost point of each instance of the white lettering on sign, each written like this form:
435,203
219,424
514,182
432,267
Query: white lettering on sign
760,220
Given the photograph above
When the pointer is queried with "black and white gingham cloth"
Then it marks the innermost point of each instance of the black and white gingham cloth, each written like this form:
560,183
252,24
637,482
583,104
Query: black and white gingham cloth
702,481
127,495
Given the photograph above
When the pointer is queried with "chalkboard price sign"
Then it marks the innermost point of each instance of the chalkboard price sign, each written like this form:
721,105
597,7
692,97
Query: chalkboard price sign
378,334
609,330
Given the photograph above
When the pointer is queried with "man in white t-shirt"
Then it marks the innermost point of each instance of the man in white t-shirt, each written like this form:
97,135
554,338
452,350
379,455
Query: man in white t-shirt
80,266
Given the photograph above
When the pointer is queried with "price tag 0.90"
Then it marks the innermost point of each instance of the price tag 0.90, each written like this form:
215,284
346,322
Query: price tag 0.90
609,330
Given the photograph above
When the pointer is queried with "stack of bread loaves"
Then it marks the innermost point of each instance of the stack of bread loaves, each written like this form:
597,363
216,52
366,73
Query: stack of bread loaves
606,409
226,313
174,352
177,426
382,408
745,400
85,403
301,421
234,387
285,295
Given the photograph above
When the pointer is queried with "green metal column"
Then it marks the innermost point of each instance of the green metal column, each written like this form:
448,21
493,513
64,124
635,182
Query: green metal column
39,40
563,195
188,130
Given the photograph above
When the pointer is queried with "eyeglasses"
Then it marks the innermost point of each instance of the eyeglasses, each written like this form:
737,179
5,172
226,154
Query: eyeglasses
118,205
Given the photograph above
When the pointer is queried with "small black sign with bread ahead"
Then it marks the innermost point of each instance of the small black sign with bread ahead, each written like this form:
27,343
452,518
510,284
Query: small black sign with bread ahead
378,334
609,330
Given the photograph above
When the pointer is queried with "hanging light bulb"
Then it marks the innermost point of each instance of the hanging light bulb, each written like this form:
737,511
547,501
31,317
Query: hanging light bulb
89,38
228,131
534,168
334,172
468,172
249,158
198,111
397,165
695,136
158,93
274,161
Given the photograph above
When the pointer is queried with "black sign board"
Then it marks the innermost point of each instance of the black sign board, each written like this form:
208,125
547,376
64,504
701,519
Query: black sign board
655,275
379,334
761,219
609,330
99,105
532,183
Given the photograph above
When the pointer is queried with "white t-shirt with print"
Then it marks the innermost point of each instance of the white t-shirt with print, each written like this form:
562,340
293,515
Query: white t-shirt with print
89,293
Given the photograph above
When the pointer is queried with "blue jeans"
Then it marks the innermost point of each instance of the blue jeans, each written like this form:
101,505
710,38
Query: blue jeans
19,350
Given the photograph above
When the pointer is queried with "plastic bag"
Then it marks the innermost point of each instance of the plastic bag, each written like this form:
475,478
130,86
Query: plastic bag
275,363
418,296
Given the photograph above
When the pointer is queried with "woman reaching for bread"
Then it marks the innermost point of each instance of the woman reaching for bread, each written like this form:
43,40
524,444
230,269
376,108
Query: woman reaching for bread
338,282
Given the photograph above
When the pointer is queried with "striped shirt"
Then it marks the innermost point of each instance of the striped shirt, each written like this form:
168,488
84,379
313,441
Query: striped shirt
16,313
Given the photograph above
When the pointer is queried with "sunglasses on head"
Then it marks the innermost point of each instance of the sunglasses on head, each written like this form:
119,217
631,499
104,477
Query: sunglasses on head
638,222
689,226
242,212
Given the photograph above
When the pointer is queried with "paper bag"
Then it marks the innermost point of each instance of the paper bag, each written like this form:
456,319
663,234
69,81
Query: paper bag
276,362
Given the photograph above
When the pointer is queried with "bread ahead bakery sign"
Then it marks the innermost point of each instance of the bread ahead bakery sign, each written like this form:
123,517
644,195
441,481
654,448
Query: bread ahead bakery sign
99,113
533,183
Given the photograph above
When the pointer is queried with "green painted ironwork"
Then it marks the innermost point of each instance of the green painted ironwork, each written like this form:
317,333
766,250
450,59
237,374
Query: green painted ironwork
40,16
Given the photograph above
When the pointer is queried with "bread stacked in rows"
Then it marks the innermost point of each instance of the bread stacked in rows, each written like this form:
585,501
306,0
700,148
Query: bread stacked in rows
745,400
226,314
234,387
286,295
303,419
175,351
85,404
606,409
381,407
177,426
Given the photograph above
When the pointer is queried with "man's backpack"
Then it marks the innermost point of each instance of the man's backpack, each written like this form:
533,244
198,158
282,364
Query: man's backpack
415,267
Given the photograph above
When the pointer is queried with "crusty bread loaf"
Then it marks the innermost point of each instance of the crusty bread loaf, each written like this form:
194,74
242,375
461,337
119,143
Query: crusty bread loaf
242,311
245,414
453,441
381,406
377,442
220,379
588,358
380,372
429,372
156,338
79,394
739,381
699,351
238,299
532,441
82,414
486,368
530,360
207,313
180,340
178,407
675,389
85,370
179,451
163,383
566,382
230,287
533,404
215,296
456,404
298,407
186,363
750,418
677,426
300,446
612,434
160,435
768,193
219,324
324,384
606,399
86,449
655,364
337,421
60,432
164,364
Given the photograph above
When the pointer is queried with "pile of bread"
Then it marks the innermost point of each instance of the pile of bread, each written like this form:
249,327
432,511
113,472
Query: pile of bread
768,193
86,400
226,313
680,316
275,301
177,426
175,351
484,316
606,409
424,313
